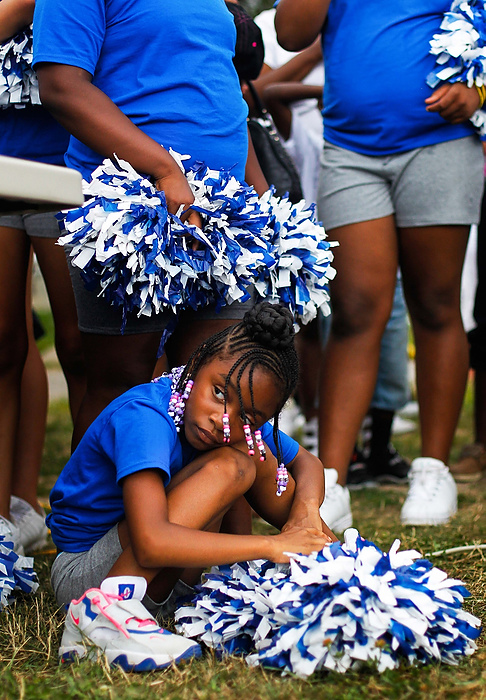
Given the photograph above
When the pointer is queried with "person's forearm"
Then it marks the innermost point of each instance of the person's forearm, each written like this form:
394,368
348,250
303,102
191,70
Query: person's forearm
299,23
14,15
294,70
178,546
88,114
290,92
308,474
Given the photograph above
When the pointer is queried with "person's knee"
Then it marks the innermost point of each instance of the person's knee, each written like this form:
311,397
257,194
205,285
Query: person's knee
359,314
13,349
232,467
70,353
435,310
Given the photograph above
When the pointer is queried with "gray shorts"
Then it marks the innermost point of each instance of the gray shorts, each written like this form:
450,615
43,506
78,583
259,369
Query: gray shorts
73,573
438,185
95,315
34,224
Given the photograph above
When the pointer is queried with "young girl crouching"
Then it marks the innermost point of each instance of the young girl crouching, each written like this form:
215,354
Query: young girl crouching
138,508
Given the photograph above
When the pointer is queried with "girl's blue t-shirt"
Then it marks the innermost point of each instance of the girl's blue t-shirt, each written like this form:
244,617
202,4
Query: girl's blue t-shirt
133,433
377,61
167,64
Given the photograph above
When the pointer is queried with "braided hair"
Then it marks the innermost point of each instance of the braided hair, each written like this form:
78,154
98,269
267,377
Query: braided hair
263,339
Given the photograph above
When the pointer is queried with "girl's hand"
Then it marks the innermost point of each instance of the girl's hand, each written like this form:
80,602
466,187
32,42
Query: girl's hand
455,102
299,541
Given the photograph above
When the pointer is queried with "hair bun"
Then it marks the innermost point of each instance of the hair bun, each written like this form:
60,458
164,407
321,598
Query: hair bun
271,325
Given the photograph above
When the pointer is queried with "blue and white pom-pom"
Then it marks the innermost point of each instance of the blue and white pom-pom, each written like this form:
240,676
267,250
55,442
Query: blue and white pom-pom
16,573
336,609
124,239
18,81
461,50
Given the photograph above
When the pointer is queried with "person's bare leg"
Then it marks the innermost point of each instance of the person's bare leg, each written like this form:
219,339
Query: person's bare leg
431,259
189,334
362,295
53,265
198,498
31,428
310,360
114,364
14,260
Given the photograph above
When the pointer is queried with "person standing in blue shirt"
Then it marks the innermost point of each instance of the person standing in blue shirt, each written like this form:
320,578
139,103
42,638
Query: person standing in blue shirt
137,78
401,184
28,131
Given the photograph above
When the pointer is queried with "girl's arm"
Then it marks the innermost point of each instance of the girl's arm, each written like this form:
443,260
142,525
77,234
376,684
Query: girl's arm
277,98
253,172
298,22
88,114
14,14
157,542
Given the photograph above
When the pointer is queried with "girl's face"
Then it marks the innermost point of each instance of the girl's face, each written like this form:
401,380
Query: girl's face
203,417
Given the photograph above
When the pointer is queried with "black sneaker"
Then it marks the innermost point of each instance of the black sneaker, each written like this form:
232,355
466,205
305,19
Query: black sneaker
389,467
358,474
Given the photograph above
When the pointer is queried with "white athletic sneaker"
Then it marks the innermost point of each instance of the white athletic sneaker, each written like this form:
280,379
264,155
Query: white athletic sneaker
31,524
10,533
123,629
432,494
336,508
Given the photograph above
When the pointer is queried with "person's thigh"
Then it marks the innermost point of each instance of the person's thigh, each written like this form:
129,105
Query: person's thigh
352,188
439,185
14,263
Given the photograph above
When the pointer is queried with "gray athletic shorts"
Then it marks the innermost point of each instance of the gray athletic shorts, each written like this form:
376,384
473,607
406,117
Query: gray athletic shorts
73,573
34,224
438,185
95,315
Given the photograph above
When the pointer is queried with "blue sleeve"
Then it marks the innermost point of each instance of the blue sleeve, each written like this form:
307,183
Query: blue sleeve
289,446
69,32
140,437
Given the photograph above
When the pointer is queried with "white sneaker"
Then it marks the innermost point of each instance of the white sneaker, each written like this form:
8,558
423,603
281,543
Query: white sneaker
31,524
11,533
124,630
336,508
310,436
432,494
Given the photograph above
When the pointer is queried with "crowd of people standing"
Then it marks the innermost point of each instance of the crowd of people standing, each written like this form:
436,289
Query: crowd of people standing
398,180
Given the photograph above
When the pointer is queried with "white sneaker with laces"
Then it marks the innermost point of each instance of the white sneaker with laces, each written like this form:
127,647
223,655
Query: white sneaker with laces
11,533
432,494
31,524
123,629
336,508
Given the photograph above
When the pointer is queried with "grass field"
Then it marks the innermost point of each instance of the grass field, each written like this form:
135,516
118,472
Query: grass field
30,629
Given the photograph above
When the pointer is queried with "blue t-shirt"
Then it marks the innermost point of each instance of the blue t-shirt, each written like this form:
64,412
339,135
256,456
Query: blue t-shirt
167,64
33,134
133,433
377,61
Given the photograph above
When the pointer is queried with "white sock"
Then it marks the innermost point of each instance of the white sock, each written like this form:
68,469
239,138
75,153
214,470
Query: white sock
125,586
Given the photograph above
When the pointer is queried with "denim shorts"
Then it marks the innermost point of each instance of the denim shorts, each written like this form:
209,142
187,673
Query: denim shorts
438,185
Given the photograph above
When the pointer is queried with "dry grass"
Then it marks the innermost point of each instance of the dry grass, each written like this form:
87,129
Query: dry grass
30,630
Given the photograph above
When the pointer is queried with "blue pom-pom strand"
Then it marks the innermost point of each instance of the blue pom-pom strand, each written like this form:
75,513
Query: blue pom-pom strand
335,609
16,573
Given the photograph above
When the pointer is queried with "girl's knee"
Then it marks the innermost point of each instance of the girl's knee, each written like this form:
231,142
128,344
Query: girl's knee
435,311
232,467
